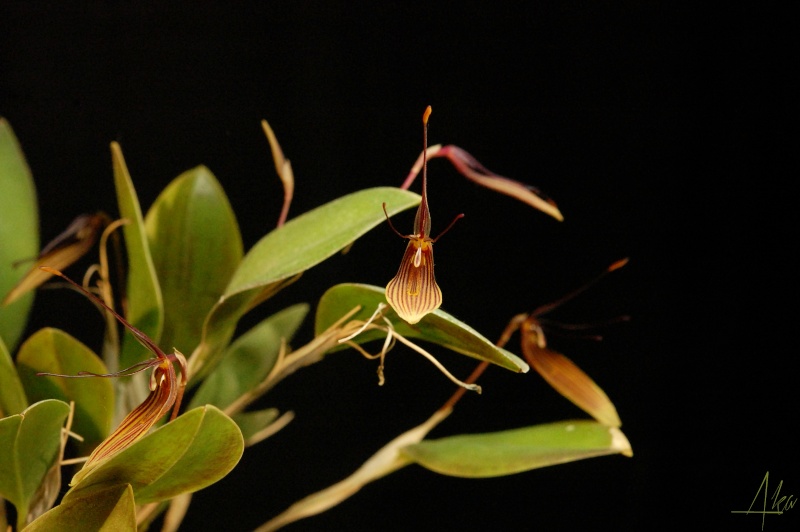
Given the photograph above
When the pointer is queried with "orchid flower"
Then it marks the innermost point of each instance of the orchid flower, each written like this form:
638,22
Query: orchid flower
558,370
413,292
166,391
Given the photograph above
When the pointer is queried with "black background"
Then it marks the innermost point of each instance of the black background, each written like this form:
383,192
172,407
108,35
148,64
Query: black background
661,130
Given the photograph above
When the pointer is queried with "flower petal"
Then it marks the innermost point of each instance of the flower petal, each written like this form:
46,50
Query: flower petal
473,170
569,380
161,399
62,251
413,292
166,392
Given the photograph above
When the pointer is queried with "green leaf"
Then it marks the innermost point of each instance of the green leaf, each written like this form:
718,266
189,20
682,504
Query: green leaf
145,307
19,232
248,360
185,455
196,246
438,327
514,451
316,235
288,251
29,444
53,351
12,394
101,509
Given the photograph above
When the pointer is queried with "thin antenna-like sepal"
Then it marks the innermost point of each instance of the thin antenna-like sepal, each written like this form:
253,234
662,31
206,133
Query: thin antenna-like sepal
166,391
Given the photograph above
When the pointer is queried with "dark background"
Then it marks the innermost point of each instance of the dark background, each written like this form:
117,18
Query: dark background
661,130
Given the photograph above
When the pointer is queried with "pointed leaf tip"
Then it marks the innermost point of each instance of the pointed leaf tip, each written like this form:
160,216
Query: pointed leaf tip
514,451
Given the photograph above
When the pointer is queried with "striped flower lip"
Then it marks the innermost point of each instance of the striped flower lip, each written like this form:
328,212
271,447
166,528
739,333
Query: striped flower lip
166,391
413,292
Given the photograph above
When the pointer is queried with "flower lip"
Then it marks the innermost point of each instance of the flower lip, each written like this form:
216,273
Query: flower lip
166,392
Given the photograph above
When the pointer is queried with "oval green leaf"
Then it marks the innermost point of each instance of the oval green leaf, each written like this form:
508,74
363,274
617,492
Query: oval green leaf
145,306
12,394
288,251
316,235
249,359
29,445
54,351
102,509
438,327
196,246
185,455
19,232
514,451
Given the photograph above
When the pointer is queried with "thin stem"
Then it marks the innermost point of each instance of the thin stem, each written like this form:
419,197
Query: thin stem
477,372
513,324
544,309
288,363
111,343
139,335
375,314
418,349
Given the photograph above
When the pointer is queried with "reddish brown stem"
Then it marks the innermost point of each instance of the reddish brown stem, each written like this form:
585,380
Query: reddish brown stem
480,368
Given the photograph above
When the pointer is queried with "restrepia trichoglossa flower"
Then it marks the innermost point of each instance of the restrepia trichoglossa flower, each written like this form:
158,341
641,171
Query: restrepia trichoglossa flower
559,371
166,391
413,292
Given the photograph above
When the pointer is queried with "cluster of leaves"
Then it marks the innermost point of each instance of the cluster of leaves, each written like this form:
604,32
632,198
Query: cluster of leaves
187,283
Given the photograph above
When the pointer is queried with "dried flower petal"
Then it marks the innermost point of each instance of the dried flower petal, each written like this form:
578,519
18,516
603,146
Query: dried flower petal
565,377
284,169
473,170
73,243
